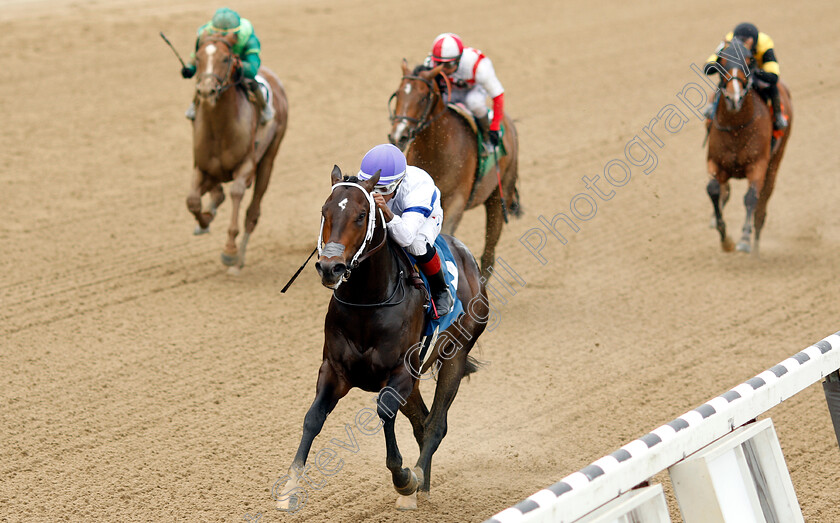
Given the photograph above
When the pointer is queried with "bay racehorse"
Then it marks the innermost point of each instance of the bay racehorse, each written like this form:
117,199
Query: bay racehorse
740,145
373,323
229,143
441,142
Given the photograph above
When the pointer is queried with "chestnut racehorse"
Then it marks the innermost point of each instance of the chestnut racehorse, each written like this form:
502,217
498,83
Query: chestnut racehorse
740,145
229,143
374,320
441,142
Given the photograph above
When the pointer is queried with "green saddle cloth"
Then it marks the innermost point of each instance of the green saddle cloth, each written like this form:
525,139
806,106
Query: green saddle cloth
486,159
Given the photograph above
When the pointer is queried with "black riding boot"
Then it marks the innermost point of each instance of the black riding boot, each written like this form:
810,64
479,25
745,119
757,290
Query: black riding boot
440,293
779,121
431,265
484,131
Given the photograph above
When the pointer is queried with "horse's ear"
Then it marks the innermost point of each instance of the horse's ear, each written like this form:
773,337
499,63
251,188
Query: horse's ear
405,67
371,183
335,176
436,71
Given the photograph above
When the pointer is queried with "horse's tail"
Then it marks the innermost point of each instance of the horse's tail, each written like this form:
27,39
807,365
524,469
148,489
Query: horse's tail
515,207
473,365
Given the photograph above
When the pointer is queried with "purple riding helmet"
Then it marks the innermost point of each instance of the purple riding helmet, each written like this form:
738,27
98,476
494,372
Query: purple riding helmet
387,159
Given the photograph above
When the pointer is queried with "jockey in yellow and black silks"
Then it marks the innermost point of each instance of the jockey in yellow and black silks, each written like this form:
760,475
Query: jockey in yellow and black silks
247,48
767,69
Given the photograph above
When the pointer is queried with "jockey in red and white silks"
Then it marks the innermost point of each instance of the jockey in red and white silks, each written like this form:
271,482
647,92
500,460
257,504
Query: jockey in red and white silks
473,80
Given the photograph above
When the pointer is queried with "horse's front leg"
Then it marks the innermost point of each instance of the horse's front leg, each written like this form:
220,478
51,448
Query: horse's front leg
242,178
719,194
391,398
330,389
200,185
755,177
217,196
750,201
416,411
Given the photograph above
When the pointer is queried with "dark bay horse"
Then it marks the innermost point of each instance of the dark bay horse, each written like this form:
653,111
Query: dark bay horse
229,143
740,145
374,318
441,142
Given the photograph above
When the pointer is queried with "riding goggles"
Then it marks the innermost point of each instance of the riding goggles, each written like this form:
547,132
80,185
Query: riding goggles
387,189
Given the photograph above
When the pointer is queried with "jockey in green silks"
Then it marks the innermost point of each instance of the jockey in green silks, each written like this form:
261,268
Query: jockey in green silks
247,48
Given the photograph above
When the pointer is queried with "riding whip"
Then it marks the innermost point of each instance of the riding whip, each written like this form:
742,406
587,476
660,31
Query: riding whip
165,39
299,271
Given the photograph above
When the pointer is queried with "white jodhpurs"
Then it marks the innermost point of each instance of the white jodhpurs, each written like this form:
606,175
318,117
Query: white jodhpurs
475,98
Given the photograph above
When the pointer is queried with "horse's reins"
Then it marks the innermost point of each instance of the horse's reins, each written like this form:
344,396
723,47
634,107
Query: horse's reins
423,122
386,303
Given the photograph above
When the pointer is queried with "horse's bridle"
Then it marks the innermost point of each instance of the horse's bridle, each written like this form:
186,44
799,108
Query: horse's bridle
371,227
424,121
222,83
746,83
357,259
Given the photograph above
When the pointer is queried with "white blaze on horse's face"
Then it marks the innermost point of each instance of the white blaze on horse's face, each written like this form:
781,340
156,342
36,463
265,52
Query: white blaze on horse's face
209,50
735,98
407,89
398,132
343,204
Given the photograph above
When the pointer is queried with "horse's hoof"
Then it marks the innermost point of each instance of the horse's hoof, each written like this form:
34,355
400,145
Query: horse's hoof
291,503
422,495
727,245
407,502
230,260
410,487
743,246
234,271
199,230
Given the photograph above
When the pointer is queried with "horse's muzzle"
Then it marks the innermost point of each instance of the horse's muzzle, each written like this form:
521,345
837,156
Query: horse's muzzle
401,142
400,136
207,89
734,104
330,270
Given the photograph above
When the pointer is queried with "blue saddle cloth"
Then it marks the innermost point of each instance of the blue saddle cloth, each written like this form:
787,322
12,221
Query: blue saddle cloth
446,259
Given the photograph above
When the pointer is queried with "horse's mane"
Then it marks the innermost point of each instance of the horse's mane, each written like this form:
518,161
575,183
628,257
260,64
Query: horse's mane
420,68
351,179
442,84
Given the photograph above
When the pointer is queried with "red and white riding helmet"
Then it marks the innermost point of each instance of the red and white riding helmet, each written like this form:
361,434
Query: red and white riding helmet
447,47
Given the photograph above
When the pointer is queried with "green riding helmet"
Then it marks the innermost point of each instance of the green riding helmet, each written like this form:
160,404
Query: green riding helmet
225,19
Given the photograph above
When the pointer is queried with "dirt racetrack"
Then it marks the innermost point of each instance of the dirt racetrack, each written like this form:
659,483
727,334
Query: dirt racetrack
141,383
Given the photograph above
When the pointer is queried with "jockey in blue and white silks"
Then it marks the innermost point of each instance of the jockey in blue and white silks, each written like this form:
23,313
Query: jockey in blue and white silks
410,202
